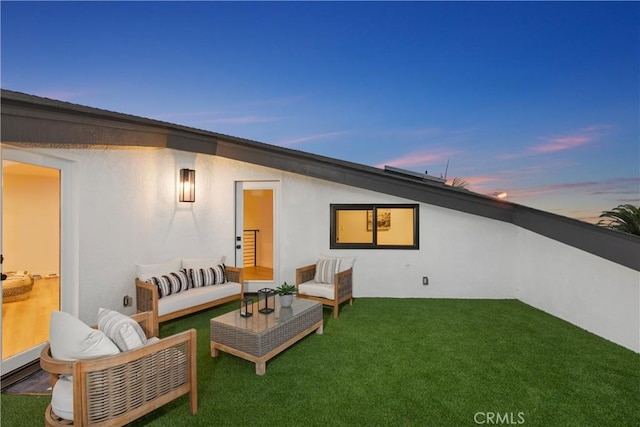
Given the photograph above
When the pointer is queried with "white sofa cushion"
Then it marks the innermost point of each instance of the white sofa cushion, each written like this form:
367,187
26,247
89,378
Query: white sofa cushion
125,332
312,288
62,398
71,339
203,262
146,271
196,296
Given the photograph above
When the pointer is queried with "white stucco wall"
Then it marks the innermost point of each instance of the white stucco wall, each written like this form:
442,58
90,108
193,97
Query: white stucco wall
464,256
588,291
129,214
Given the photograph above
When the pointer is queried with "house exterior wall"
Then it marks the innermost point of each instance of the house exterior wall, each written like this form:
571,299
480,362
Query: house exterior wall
128,214
588,291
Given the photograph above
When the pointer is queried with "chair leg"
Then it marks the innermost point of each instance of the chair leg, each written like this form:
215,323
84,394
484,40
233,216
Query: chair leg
335,311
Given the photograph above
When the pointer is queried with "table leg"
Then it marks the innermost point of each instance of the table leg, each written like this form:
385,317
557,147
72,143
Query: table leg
261,368
320,329
214,350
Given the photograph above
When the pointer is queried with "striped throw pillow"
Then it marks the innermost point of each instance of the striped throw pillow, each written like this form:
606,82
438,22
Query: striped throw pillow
125,332
326,269
208,276
171,283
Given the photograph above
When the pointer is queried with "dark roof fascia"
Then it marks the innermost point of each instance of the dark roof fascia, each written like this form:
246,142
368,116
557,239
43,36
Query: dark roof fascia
362,176
68,124
621,248
616,246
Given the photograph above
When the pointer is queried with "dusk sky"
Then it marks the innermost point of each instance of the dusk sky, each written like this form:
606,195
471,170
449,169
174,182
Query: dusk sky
538,99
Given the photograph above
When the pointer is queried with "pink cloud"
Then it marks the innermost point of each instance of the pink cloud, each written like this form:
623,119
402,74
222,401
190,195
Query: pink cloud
416,159
480,180
584,136
561,143
617,186
308,138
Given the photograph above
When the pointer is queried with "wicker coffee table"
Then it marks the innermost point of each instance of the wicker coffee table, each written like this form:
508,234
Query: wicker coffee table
262,336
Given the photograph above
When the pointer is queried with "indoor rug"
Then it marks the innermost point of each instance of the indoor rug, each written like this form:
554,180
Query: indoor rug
35,384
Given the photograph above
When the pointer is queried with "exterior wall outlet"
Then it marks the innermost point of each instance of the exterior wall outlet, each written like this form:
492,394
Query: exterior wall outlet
127,301
425,280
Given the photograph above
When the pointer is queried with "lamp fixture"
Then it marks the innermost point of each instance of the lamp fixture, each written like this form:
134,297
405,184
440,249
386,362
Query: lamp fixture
187,186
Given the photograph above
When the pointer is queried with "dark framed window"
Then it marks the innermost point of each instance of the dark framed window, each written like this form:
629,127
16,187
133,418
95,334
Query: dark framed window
374,226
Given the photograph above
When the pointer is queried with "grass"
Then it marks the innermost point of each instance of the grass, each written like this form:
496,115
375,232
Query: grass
408,362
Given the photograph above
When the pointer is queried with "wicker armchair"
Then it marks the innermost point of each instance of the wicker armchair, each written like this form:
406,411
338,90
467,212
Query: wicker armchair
328,294
115,390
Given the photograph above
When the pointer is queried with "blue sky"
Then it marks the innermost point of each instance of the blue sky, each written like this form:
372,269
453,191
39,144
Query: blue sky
539,99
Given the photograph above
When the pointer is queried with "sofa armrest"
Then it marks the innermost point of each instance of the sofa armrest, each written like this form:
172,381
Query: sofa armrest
235,274
147,323
147,300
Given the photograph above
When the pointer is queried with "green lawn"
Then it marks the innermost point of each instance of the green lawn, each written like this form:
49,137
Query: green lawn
408,362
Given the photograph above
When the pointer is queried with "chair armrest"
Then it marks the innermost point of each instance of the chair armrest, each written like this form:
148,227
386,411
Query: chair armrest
135,382
305,274
343,283
55,367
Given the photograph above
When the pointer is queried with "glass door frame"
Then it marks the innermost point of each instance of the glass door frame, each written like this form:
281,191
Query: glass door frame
240,186
69,237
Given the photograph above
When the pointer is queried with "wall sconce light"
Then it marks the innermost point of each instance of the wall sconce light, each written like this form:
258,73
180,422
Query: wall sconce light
187,190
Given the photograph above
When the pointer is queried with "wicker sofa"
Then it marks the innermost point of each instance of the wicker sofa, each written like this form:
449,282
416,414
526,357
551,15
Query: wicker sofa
204,287
117,387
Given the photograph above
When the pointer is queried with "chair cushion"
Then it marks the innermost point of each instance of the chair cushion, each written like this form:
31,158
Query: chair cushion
207,276
345,262
322,290
146,271
71,339
326,269
125,332
188,263
62,398
171,283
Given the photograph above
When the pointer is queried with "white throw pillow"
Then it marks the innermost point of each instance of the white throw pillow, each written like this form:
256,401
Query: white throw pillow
125,332
71,339
326,269
146,271
345,262
202,262
62,398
